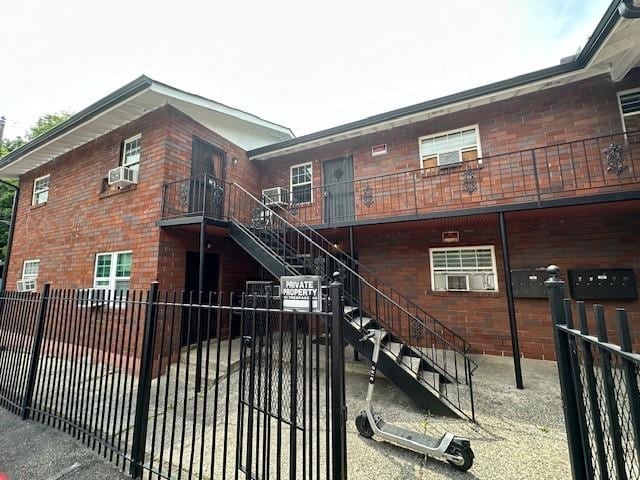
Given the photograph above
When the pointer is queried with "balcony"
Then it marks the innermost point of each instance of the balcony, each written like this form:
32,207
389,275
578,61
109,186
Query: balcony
595,169
585,171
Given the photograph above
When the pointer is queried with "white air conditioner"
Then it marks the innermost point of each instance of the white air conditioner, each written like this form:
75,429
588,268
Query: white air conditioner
122,176
449,159
93,297
27,285
458,282
274,196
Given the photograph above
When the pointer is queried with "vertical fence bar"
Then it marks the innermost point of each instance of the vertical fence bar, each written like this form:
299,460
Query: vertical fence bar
630,376
569,400
592,392
577,381
338,406
35,352
144,385
615,432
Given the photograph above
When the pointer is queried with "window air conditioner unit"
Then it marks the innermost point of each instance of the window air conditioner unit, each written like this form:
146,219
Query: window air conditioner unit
274,196
27,285
458,282
93,297
122,176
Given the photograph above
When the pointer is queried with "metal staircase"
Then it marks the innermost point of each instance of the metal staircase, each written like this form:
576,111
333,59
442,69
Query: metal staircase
423,357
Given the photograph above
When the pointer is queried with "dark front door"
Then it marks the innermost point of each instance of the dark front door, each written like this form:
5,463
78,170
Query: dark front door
207,189
338,190
189,316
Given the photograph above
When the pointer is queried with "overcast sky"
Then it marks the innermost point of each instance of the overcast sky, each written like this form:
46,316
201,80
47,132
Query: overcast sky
307,65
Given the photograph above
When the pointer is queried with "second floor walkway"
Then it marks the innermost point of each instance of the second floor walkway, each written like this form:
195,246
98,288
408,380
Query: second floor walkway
603,168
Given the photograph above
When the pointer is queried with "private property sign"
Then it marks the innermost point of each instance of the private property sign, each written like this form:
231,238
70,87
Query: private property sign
297,290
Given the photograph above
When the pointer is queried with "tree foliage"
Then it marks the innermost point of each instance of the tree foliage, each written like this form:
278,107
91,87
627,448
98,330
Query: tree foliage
42,125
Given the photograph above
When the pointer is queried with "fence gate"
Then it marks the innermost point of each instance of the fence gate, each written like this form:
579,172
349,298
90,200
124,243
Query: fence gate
110,370
599,384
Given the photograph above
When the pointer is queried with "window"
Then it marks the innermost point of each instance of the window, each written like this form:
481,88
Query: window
449,148
630,110
464,269
30,270
131,152
301,181
113,271
40,190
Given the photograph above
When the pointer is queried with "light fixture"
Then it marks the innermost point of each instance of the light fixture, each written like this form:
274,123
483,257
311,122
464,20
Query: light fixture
208,244
234,161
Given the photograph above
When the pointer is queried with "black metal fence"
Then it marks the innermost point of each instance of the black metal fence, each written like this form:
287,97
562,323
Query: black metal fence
599,383
109,369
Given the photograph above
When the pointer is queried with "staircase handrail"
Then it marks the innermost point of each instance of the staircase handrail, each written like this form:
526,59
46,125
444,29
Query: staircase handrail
411,315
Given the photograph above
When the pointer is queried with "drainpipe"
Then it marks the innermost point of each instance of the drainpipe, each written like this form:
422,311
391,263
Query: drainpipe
510,303
627,9
14,212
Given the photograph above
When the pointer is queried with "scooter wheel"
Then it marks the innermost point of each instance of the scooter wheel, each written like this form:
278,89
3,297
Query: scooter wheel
363,425
465,453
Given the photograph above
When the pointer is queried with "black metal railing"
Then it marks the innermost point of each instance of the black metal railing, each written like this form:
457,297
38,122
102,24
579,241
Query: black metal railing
607,163
202,195
599,385
110,369
302,250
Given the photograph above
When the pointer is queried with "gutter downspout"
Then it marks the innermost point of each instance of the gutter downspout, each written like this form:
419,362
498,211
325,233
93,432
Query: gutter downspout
14,212
627,9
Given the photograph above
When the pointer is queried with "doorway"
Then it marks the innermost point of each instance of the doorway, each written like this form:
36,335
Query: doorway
211,270
339,204
207,172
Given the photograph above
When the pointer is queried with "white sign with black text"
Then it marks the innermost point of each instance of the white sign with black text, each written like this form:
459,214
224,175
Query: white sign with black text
296,292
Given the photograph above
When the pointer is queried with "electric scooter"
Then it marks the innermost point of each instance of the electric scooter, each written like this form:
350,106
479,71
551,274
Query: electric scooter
455,450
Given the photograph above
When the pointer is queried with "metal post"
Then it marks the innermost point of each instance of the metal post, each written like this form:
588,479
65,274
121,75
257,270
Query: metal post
338,405
515,346
203,240
144,385
356,357
555,287
14,213
35,351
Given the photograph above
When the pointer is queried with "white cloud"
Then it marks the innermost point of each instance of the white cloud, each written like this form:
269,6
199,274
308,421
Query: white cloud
308,65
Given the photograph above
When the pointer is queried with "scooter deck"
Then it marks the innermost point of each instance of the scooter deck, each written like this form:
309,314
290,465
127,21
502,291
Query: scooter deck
410,435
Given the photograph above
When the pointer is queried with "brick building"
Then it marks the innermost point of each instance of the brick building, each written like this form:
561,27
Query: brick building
420,203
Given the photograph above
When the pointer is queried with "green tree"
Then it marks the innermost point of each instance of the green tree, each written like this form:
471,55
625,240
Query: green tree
42,125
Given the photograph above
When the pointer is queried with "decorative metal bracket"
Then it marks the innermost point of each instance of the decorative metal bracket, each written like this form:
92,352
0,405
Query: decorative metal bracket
367,195
183,196
615,159
469,182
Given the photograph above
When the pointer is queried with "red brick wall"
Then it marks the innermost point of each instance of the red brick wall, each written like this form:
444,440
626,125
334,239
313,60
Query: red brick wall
182,129
562,114
77,221
604,236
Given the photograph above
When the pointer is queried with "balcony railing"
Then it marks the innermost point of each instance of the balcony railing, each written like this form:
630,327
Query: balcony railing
199,196
600,165
605,164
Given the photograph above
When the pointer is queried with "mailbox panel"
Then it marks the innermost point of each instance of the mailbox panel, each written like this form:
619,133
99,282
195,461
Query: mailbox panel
529,282
603,284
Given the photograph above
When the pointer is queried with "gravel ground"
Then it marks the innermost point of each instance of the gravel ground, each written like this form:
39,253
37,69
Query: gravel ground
519,433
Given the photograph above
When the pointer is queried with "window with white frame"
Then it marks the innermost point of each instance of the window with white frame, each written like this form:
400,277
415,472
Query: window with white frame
40,190
113,271
449,148
630,109
464,269
301,181
131,152
30,269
